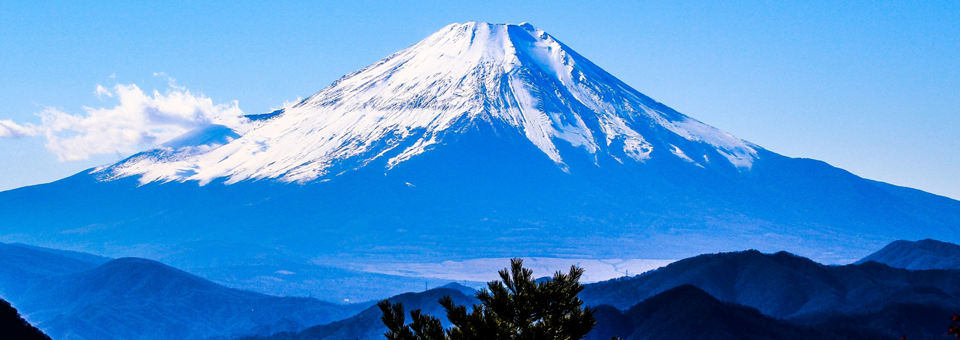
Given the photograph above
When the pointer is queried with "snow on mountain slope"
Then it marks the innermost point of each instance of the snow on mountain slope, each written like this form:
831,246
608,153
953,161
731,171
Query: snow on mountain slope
515,76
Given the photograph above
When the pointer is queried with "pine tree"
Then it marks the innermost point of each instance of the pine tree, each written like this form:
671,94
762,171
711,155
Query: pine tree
513,308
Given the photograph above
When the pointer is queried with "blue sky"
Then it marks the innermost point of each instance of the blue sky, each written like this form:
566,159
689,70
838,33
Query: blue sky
869,87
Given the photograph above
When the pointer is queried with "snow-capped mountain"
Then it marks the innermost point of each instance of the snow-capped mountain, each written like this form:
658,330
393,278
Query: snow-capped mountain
516,76
481,141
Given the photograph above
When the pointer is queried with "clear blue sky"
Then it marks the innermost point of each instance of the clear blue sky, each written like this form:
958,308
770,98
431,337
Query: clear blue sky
871,87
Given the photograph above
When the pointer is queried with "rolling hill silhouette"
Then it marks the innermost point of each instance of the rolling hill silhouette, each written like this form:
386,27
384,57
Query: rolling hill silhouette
783,285
923,254
131,298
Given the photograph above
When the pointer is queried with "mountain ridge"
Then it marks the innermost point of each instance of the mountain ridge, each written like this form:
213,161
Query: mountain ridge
918,255
138,298
784,285
687,312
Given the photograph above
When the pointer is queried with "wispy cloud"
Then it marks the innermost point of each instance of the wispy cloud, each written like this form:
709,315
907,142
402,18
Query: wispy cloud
102,91
138,120
9,129
170,81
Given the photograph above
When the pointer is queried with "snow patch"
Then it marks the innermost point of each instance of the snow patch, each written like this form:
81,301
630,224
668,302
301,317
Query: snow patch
679,153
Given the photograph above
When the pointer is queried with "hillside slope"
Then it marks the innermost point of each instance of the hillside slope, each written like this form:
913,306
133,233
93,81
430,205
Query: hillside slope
919,255
686,312
783,285
132,298
23,265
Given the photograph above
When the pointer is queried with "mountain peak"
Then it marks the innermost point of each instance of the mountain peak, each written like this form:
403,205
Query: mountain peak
515,77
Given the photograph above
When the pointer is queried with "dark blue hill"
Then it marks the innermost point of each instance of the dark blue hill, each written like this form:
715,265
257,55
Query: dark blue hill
783,285
923,254
686,312
22,264
133,298
912,320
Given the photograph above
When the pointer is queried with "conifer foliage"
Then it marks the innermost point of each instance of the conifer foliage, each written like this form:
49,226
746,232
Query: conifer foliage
514,308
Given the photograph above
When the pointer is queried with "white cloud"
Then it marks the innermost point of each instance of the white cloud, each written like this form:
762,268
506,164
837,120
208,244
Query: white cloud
9,129
139,120
102,91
